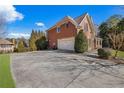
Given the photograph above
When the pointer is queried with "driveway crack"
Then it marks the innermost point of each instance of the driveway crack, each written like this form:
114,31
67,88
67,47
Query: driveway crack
74,79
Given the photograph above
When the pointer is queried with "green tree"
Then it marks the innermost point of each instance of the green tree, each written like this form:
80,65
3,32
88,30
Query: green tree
21,47
104,34
32,44
105,42
120,25
81,43
103,30
35,35
39,33
114,20
32,41
42,34
37,40
33,32
117,39
41,43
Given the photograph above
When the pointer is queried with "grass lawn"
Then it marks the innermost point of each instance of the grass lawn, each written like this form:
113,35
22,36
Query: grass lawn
6,80
120,53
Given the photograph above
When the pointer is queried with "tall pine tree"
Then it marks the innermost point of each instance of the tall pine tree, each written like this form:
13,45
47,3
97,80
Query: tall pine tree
21,47
32,41
37,41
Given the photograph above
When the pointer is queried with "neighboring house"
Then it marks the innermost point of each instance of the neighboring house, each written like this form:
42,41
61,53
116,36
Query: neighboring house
6,46
62,34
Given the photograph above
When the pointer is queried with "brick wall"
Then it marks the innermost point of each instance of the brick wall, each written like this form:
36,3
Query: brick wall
65,32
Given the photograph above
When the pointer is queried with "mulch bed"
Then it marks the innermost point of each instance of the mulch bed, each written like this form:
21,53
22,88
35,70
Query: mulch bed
118,60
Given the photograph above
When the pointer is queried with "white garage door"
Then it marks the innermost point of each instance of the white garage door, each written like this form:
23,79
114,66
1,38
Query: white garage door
66,44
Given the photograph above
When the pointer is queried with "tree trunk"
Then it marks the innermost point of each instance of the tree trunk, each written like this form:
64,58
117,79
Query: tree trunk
116,53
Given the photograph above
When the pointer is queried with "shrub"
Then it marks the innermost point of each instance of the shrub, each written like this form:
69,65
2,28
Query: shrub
104,53
27,49
81,43
41,43
15,49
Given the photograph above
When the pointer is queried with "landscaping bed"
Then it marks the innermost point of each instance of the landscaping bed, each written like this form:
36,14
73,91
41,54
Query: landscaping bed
120,53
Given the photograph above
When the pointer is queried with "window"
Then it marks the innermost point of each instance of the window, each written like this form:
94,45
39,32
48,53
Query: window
85,27
66,24
2,46
58,29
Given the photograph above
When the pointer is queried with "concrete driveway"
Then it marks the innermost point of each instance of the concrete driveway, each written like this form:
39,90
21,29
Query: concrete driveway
57,69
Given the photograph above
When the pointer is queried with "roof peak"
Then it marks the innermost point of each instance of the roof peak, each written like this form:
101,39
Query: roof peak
80,18
67,16
76,20
84,14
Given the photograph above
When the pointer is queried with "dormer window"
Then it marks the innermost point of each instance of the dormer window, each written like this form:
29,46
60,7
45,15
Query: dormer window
58,29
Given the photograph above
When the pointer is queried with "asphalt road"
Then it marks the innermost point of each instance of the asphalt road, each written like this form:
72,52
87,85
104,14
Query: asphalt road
58,69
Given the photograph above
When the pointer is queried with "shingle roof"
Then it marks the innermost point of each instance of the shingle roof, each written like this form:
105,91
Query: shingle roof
68,17
80,18
3,41
76,21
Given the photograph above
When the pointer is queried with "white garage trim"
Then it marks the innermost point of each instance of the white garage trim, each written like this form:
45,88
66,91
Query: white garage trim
66,43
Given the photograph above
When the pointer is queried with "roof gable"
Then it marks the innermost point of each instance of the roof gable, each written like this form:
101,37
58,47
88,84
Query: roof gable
76,21
80,18
86,16
3,41
66,19
91,24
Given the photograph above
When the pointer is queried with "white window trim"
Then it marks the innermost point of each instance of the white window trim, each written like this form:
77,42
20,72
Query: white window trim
58,30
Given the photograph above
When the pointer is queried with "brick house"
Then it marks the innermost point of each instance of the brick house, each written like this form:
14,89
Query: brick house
62,34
